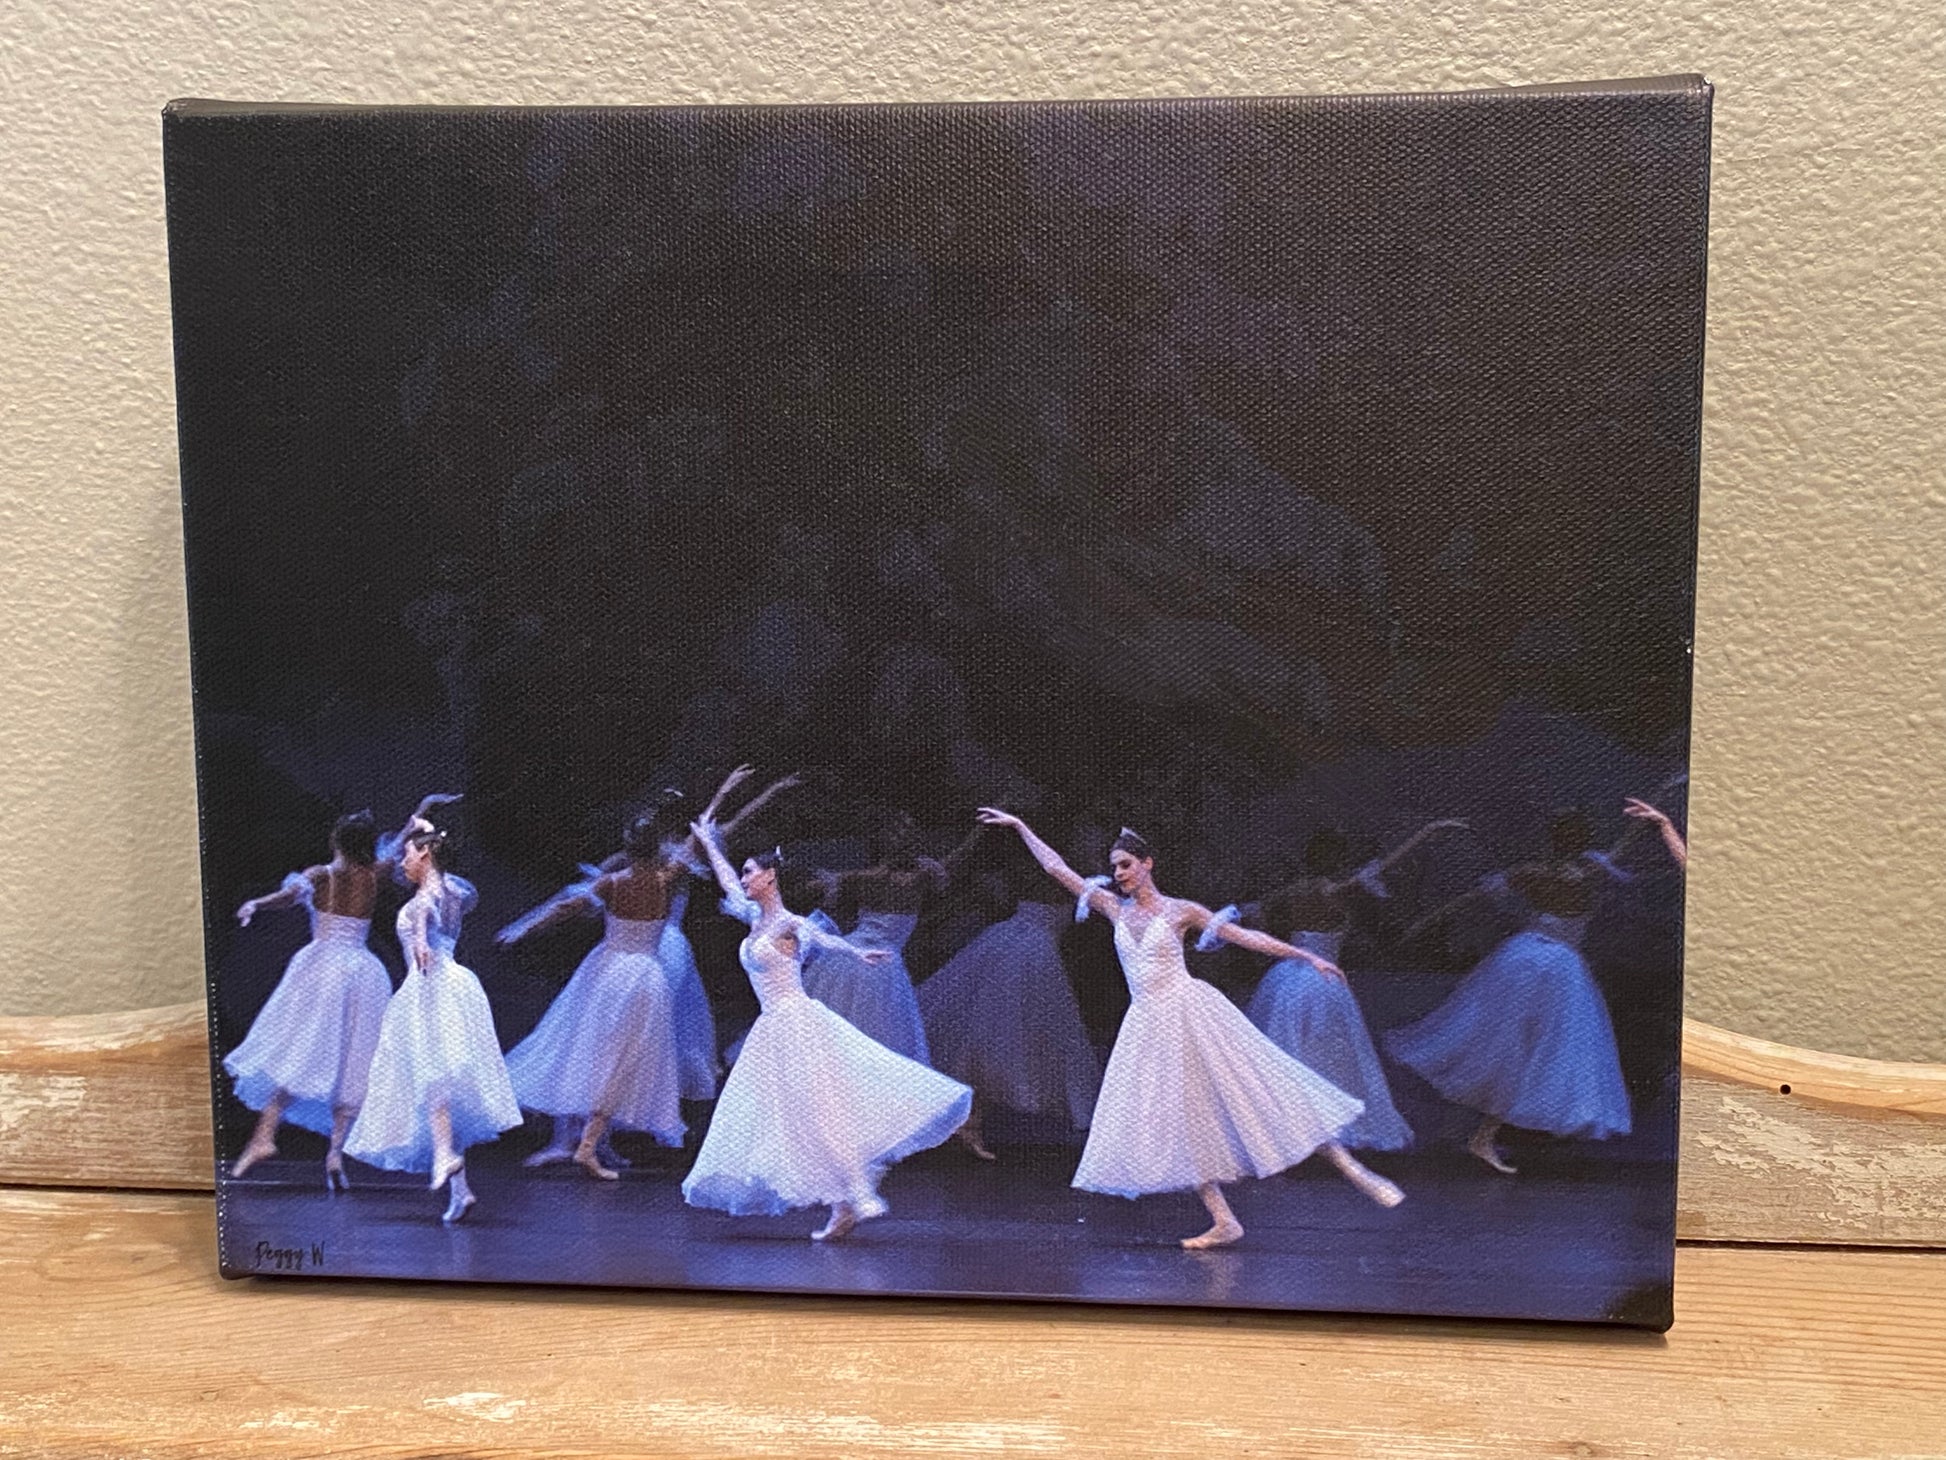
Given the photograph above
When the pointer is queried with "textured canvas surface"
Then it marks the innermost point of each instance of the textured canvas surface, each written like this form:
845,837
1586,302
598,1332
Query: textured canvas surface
1275,477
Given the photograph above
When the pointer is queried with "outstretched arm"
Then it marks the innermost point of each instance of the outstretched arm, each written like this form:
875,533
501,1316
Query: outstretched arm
577,901
758,801
1401,852
1225,927
810,935
1671,838
1099,898
295,891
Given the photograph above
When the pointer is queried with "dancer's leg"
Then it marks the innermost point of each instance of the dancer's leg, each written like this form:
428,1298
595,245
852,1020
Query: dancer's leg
585,1155
972,1135
1368,1181
562,1140
843,1218
263,1140
445,1160
462,1198
1224,1226
334,1159
1483,1144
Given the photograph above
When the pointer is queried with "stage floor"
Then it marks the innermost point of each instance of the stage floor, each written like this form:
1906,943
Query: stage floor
1574,1236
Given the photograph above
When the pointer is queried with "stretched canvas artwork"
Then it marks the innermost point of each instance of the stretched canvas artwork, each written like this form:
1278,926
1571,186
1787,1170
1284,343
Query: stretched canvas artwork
1062,700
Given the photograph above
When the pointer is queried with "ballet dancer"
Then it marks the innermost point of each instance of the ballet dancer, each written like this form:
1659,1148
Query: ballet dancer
309,1049
438,1081
605,1054
1526,1038
1194,1095
1312,1015
1671,838
1001,1017
813,1112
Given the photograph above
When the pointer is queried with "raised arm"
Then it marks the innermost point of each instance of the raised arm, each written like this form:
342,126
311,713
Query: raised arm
1099,898
761,799
1224,927
391,846
1369,873
1671,838
705,834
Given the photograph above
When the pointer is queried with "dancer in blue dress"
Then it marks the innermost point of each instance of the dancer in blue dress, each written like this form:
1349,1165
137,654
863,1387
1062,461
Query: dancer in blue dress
1526,1038
1314,1016
877,997
604,1054
813,1112
309,1049
1194,1095
438,1080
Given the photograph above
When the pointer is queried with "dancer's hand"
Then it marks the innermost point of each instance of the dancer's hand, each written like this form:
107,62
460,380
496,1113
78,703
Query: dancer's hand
994,816
438,798
1644,811
1451,823
247,912
738,776
703,828
1329,969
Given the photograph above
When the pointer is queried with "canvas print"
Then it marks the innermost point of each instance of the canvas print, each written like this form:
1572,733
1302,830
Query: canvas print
1069,701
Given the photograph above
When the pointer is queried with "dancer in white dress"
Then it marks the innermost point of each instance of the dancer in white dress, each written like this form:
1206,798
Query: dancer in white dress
1194,1094
1000,1016
1526,1038
813,1112
310,1047
1314,1016
438,1080
605,1051
876,996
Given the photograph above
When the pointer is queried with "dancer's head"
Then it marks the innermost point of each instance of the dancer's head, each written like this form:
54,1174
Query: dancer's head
355,838
1569,833
662,822
428,848
1131,861
760,873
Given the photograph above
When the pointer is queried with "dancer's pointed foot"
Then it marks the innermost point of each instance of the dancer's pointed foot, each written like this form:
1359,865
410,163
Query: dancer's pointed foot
1221,1234
253,1153
456,1209
334,1173
843,1219
1483,1146
971,1140
609,1156
1369,1182
443,1171
550,1156
587,1160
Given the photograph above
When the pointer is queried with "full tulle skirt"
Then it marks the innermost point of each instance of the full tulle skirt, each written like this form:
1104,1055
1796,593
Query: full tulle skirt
1526,1038
1194,1092
1316,1020
877,999
813,1112
315,1034
1000,1016
607,1045
695,1023
436,1045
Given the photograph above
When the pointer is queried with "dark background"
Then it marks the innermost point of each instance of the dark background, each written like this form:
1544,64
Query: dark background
1229,469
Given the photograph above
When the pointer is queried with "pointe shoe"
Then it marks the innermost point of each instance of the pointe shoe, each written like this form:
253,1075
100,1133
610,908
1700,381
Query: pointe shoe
975,1145
1220,1235
1378,1188
586,1158
335,1179
251,1155
842,1221
1488,1152
550,1156
457,1208
442,1171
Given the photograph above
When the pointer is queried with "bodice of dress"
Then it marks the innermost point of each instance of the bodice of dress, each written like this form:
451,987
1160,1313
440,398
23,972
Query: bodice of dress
1561,929
774,966
1325,945
884,930
632,935
1151,960
337,928
436,916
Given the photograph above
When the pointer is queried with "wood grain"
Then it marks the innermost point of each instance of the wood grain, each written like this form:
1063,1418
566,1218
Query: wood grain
1778,1144
117,1337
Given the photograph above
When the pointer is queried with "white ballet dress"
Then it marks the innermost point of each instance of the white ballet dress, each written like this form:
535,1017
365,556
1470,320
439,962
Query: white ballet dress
813,1112
695,1023
436,1044
314,1036
1194,1092
607,1044
1316,1020
1001,1017
1526,1037
877,999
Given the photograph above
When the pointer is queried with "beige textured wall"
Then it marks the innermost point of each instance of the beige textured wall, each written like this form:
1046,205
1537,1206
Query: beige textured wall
1820,802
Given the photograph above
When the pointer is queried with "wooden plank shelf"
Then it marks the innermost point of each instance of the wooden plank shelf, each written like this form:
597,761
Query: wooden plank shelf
118,1338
